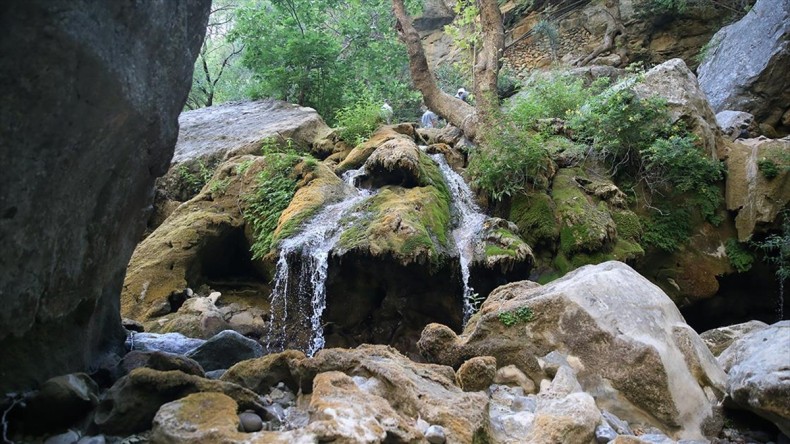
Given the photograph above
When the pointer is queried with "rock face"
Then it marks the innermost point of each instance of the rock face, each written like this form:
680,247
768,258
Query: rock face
720,339
88,123
207,136
750,191
624,337
758,376
745,69
674,82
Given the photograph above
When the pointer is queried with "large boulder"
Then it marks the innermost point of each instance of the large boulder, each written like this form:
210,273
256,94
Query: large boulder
207,136
758,376
89,120
687,104
130,404
745,68
757,195
630,344
720,339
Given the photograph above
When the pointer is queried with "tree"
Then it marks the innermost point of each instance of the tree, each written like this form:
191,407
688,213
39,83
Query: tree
485,69
218,56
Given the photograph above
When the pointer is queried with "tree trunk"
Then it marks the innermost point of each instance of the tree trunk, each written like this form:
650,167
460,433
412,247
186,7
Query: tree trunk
456,111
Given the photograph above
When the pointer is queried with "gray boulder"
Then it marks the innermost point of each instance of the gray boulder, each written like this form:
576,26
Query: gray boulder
622,331
91,96
758,373
719,339
746,66
736,124
674,82
225,349
164,342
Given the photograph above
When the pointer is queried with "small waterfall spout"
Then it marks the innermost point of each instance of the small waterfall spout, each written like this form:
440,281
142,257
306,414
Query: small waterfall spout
300,276
469,224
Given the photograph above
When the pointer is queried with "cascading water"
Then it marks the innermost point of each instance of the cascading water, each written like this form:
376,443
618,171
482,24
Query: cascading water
301,271
468,225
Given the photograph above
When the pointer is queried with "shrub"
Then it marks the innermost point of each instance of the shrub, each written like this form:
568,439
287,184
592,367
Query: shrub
739,257
521,314
777,248
667,229
358,122
768,168
274,189
195,177
507,159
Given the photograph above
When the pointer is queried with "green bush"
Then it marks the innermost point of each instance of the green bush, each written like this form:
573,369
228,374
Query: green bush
274,189
768,168
777,248
667,229
358,122
508,159
195,177
521,314
739,257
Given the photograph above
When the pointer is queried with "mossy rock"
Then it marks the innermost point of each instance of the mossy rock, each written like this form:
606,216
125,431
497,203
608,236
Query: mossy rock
586,227
412,225
535,214
169,259
628,225
501,247
318,187
359,155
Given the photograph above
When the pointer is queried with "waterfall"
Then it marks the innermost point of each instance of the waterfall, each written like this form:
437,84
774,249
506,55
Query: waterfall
468,226
302,267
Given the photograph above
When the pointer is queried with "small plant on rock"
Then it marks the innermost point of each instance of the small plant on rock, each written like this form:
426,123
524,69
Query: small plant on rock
768,168
521,314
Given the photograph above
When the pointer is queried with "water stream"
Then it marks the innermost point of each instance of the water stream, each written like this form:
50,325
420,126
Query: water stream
469,224
302,267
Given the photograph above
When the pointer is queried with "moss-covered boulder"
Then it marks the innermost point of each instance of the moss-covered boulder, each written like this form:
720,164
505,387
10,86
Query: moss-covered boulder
360,153
586,225
395,162
410,225
209,239
535,214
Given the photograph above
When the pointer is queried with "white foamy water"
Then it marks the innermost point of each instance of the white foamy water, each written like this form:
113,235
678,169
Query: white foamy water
302,270
468,226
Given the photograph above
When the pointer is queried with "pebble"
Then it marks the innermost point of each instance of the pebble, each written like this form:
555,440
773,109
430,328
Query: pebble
604,433
435,434
250,422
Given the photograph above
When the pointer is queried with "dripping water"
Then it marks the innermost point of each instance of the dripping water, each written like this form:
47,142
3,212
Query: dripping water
468,225
302,267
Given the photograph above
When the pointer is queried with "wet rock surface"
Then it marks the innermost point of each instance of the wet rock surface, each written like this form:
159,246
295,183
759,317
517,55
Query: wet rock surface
117,75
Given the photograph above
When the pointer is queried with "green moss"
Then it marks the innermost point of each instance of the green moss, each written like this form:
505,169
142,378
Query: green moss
628,226
535,215
412,225
585,227
496,250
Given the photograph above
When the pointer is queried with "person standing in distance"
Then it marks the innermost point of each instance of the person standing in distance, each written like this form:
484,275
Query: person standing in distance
429,119
462,94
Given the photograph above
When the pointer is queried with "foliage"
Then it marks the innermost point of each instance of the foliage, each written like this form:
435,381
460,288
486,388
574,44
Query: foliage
552,96
218,75
739,257
768,168
358,121
508,158
195,177
274,189
776,248
326,54
667,229
451,76
521,314
465,30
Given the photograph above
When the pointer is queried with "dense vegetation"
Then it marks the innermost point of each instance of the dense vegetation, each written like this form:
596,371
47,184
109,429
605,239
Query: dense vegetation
325,54
633,138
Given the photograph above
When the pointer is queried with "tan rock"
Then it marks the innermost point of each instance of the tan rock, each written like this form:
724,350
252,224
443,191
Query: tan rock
476,374
511,375
211,418
261,374
757,199
341,411
395,162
